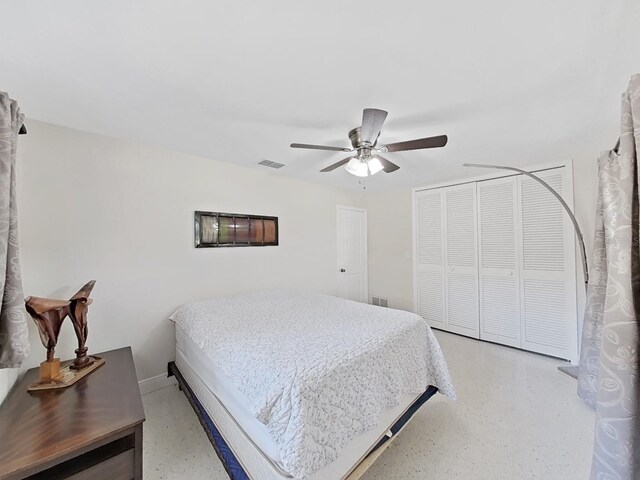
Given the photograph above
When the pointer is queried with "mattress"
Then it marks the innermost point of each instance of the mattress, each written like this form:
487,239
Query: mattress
190,358
222,387
257,465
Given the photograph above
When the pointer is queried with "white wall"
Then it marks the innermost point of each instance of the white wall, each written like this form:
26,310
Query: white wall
7,379
92,207
390,247
390,236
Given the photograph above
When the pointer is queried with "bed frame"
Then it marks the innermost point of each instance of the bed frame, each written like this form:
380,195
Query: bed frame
233,466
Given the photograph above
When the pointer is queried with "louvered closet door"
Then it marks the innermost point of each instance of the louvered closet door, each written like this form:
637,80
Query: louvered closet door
461,260
548,290
498,265
430,275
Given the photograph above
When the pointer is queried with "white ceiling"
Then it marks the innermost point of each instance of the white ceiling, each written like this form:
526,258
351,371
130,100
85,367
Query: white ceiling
510,82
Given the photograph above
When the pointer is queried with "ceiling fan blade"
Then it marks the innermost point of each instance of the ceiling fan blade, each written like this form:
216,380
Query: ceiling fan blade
320,147
372,121
429,142
336,165
387,166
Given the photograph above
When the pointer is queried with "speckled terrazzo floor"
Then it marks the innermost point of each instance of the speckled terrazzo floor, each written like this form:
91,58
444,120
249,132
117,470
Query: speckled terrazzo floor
516,418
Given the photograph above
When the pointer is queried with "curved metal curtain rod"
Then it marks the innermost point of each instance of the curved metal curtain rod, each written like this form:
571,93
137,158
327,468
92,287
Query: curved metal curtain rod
585,267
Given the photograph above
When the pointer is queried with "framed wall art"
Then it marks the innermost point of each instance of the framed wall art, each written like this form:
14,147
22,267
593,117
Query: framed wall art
217,229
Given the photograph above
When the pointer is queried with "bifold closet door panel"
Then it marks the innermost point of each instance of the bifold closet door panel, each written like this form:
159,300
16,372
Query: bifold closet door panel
461,258
548,288
430,274
498,248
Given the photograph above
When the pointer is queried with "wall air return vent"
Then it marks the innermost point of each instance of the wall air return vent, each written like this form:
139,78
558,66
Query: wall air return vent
268,163
379,302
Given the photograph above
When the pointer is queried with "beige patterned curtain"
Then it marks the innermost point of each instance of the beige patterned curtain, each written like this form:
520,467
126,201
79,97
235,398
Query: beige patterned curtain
14,341
608,376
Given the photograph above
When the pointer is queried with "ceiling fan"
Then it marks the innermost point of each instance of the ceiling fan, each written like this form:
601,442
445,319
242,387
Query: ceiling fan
366,159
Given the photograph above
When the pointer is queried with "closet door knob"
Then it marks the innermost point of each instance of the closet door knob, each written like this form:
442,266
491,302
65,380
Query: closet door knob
342,270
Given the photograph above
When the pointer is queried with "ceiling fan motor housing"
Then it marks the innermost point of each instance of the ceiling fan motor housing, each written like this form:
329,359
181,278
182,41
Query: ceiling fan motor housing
356,137
363,150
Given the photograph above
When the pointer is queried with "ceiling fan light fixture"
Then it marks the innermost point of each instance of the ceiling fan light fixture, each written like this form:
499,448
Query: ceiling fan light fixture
357,167
363,168
364,158
374,165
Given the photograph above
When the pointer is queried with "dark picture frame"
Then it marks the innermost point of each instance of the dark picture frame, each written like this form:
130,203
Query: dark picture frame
218,229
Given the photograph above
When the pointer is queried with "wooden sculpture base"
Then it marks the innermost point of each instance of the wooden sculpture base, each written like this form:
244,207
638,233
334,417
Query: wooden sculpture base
49,371
66,376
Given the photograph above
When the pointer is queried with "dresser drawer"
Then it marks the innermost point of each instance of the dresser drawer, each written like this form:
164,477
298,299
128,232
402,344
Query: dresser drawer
120,467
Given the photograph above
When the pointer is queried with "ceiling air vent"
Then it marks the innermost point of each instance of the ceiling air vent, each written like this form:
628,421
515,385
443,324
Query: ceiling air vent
270,164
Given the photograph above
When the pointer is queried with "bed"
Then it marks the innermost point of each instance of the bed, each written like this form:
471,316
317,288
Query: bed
295,384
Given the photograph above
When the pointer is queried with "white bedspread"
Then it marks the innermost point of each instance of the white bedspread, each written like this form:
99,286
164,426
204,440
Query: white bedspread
318,370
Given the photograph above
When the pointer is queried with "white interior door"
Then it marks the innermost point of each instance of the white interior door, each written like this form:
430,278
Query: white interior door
352,253
461,260
429,257
499,247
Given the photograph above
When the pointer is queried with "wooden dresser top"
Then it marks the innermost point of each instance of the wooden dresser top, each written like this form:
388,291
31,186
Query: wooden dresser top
41,428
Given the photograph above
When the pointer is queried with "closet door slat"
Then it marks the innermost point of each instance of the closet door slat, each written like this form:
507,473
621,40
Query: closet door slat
430,274
498,266
548,268
461,260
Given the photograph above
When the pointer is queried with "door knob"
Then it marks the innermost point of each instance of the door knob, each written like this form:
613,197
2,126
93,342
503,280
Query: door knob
342,270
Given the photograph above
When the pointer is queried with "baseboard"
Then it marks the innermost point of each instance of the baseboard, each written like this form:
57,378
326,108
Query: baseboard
152,384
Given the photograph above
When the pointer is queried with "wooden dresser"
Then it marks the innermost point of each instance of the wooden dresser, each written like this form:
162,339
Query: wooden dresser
90,430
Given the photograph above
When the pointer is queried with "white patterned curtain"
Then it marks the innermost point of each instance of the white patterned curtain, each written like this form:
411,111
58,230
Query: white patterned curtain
14,341
608,376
